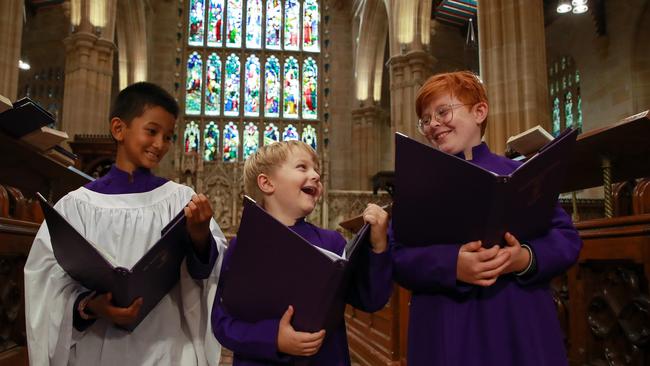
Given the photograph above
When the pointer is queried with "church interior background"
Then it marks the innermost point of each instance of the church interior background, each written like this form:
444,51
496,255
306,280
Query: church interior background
340,75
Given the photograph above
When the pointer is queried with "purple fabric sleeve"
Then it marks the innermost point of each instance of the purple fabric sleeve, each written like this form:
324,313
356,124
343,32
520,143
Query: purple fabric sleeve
197,268
372,283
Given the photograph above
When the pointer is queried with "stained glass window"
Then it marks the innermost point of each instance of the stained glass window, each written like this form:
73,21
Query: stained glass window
564,85
290,133
195,31
291,88
211,142
193,90
310,20
273,24
271,134
309,136
252,75
215,23
272,88
254,24
231,102
230,143
309,89
191,137
213,85
251,139
252,88
233,28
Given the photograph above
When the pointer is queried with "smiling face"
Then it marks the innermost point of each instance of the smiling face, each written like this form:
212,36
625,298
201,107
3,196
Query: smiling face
458,125
144,141
293,188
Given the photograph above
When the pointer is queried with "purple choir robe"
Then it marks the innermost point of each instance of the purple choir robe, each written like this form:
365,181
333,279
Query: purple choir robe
117,181
256,343
513,322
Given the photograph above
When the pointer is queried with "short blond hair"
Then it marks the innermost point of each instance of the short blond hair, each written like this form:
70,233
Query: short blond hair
267,159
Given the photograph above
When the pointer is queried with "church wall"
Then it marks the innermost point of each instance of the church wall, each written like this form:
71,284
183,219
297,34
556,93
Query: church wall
605,62
341,96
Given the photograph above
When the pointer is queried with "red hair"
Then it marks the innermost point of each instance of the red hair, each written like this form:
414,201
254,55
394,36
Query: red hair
464,85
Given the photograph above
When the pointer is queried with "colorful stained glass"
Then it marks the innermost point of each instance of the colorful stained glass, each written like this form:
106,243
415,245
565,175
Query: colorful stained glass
310,89
290,133
309,136
291,24
197,14
273,24
233,26
252,87
193,84
291,98
251,139
271,134
579,113
310,20
192,137
231,92
210,142
215,23
272,87
213,85
230,143
577,77
556,117
254,24
568,110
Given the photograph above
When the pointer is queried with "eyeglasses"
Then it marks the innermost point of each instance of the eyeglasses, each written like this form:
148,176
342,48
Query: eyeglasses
443,115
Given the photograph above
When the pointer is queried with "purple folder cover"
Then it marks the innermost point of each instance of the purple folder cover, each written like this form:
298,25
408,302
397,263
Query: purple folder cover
272,267
443,199
25,116
151,278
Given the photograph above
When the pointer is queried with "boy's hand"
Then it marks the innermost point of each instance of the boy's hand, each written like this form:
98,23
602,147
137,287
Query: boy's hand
101,306
198,213
478,266
519,257
296,343
377,217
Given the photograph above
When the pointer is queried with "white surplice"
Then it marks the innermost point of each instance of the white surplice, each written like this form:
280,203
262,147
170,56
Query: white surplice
176,332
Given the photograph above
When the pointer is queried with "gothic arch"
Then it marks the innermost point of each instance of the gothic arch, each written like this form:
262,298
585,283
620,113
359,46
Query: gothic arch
372,35
131,34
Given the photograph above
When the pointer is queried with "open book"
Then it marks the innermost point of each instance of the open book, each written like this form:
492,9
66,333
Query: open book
443,199
151,278
272,267
529,141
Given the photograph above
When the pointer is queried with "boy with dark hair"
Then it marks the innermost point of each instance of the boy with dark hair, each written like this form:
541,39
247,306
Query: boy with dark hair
124,212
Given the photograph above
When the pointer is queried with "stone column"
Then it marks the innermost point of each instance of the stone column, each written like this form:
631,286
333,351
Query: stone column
512,52
11,29
366,149
88,75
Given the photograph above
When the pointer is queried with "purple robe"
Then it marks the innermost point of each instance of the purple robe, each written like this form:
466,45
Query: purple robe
512,322
117,181
256,343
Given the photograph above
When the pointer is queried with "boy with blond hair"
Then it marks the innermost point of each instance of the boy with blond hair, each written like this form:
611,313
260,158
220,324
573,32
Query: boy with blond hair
284,179
470,305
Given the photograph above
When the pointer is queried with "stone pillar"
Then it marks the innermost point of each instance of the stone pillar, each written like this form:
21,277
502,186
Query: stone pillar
407,74
88,74
11,29
366,149
512,50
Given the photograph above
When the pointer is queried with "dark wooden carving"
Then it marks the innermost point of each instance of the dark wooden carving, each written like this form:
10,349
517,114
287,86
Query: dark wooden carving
641,197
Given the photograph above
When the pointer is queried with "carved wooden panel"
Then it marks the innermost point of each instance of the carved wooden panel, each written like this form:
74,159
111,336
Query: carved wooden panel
641,197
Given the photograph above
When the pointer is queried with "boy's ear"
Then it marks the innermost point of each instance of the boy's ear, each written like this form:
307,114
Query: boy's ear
480,112
118,127
265,184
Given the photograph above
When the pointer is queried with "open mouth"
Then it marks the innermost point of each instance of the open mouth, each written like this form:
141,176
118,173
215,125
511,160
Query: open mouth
309,190
441,135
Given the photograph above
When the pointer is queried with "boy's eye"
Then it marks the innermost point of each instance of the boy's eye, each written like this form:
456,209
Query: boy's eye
151,131
301,166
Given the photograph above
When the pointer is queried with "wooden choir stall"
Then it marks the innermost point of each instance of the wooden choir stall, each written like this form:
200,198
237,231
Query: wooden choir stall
603,301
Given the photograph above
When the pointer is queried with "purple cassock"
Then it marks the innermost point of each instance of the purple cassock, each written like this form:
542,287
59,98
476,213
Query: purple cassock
256,343
512,322
117,181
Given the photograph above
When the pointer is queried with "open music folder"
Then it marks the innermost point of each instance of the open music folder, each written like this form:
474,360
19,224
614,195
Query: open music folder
151,278
443,199
272,267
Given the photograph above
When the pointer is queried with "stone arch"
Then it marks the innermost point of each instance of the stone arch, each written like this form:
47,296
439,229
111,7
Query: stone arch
372,35
131,35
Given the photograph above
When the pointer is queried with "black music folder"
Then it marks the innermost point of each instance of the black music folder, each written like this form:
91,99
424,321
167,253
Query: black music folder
151,278
272,267
25,116
443,199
